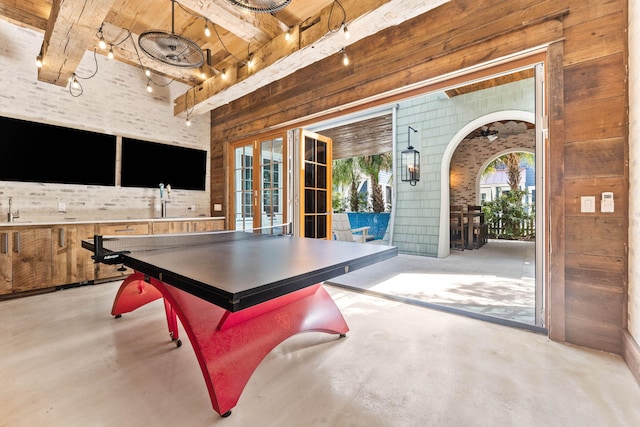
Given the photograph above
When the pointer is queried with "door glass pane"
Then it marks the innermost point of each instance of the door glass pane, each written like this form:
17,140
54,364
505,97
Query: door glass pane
321,154
243,183
272,185
309,149
309,201
310,175
321,176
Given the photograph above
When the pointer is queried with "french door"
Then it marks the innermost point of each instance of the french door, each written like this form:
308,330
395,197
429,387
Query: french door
259,184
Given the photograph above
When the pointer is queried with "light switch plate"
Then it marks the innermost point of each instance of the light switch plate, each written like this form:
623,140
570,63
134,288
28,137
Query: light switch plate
588,204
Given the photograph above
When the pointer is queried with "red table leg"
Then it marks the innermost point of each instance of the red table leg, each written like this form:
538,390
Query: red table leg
230,346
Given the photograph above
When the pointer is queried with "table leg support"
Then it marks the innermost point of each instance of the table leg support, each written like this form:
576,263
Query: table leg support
229,346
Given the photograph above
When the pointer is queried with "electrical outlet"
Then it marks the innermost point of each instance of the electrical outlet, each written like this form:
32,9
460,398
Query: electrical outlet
62,207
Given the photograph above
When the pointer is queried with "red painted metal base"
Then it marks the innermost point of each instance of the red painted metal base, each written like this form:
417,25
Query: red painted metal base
229,346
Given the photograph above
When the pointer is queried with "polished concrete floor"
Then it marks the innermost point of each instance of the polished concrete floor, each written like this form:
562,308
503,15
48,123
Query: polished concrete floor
494,283
66,362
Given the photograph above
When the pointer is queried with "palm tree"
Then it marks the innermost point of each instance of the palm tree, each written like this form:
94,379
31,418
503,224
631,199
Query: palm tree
371,166
345,172
512,162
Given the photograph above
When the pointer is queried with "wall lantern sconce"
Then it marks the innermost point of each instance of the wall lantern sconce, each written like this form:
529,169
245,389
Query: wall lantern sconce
410,162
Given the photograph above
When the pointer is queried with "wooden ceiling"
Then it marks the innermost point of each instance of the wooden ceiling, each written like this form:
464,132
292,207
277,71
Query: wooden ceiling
71,28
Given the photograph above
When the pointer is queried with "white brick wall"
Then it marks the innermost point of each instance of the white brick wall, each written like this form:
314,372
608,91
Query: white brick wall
114,102
438,119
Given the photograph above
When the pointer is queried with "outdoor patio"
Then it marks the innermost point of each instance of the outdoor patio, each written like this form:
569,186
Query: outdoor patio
494,283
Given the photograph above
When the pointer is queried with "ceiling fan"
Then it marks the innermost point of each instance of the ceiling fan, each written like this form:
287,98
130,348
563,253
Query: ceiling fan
171,48
261,6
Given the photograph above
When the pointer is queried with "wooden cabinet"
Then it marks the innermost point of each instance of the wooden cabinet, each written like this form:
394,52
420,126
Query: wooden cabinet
30,258
105,272
40,256
169,227
187,226
71,262
6,271
206,225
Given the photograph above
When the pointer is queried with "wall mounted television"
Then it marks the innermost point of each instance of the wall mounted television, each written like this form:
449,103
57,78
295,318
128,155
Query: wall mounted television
37,152
147,164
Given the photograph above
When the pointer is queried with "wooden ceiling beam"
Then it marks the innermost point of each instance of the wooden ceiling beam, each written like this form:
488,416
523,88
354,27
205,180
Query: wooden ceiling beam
279,58
254,28
71,29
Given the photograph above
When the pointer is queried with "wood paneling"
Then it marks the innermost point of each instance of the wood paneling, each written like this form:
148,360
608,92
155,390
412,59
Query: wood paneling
587,144
601,158
576,188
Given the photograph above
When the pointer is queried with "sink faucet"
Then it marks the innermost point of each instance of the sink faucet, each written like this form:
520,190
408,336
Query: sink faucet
12,215
163,201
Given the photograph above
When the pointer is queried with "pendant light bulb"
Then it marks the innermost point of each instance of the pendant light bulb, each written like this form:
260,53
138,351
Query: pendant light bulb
110,54
102,44
347,34
345,58
149,88
207,31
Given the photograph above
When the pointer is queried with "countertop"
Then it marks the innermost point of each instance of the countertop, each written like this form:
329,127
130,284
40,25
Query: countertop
69,221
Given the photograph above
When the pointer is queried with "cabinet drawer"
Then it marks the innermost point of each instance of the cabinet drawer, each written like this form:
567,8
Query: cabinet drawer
123,229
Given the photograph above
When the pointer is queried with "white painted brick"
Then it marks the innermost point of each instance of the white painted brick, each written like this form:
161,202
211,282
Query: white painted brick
114,102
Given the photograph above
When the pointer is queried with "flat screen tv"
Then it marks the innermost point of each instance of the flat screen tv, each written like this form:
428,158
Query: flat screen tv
147,164
37,152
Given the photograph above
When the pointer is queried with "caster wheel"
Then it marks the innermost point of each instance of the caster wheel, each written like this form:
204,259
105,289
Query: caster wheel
343,335
178,343
226,414
118,316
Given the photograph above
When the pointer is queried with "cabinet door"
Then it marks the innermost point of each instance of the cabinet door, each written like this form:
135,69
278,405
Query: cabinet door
31,258
207,225
105,272
6,270
168,227
71,262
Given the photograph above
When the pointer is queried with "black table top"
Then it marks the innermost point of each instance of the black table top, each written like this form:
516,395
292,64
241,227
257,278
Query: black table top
238,270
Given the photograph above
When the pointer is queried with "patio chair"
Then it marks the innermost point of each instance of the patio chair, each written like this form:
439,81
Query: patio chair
342,230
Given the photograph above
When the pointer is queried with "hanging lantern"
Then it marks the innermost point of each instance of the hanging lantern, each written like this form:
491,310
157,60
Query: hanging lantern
410,163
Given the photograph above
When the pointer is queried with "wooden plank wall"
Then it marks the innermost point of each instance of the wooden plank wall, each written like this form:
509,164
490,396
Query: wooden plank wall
587,147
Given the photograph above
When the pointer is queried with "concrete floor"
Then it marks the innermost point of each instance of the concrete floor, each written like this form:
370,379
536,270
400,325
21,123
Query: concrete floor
494,283
67,362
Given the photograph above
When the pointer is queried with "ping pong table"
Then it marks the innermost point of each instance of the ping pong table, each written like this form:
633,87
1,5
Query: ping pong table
237,294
